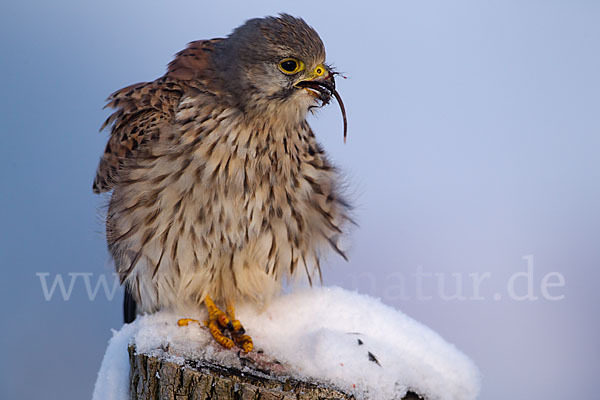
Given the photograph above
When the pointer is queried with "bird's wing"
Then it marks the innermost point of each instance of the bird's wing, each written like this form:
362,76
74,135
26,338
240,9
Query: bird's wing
145,110
142,111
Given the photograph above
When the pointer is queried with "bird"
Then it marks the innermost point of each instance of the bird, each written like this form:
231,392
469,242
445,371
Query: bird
219,192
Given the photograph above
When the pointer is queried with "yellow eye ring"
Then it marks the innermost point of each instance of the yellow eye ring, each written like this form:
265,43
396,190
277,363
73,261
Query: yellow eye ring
290,66
320,70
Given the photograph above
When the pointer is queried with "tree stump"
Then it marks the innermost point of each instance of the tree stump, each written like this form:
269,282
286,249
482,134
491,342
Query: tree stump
254,378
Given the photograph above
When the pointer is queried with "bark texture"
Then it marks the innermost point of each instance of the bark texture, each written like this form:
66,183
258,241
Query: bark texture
152,378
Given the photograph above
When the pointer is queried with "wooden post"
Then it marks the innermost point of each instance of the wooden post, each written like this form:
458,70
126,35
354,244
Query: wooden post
152,378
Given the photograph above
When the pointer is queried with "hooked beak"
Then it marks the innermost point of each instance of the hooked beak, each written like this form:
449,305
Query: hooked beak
323,87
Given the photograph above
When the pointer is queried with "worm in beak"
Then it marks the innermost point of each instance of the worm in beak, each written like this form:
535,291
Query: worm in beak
326,89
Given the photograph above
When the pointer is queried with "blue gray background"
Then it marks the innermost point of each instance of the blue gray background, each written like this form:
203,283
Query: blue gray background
473,142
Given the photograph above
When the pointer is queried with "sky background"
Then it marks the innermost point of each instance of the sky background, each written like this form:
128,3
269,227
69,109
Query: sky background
473,142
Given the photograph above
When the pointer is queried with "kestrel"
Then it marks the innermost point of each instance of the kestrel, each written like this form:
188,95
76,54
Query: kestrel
220,191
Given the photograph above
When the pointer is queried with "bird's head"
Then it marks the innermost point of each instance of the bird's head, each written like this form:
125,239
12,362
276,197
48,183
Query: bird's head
276,64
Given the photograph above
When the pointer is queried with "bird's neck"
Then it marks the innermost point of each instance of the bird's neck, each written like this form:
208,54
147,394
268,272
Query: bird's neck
253,129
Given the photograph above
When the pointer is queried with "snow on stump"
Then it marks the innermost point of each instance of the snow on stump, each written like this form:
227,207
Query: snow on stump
322,343
153,378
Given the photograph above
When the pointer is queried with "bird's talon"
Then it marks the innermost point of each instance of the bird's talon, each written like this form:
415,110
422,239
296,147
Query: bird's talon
236,326
216,333
223,320
219,324
244,342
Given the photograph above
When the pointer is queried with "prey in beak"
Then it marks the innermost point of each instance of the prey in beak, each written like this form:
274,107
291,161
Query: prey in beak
324,88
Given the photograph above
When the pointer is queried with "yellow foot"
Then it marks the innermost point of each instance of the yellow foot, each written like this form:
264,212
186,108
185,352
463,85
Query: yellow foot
224,328
187,321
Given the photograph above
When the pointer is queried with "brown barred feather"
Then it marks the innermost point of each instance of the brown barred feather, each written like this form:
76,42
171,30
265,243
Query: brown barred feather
145,109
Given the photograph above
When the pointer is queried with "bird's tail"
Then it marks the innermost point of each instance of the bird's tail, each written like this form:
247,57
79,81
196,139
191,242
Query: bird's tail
129,307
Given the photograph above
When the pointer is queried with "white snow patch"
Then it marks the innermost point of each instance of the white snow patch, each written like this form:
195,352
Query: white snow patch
113,378
317,332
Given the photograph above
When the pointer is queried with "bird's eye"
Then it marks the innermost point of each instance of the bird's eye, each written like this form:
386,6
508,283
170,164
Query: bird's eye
290,66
